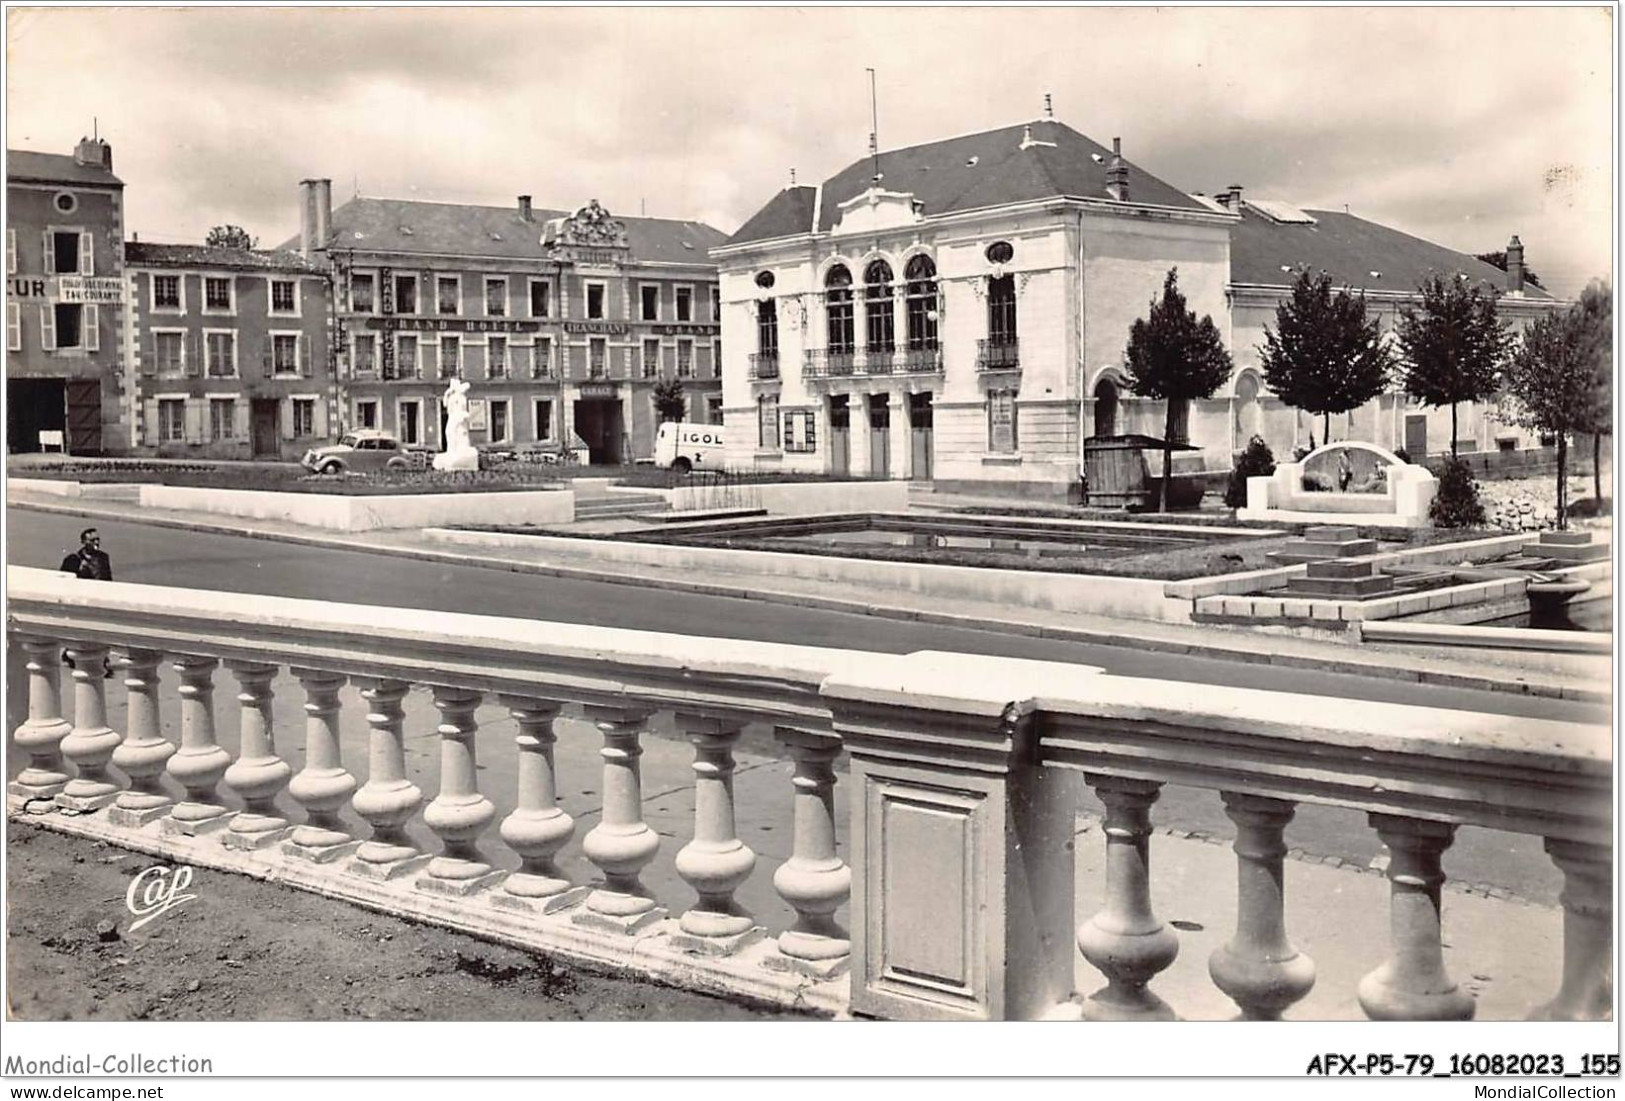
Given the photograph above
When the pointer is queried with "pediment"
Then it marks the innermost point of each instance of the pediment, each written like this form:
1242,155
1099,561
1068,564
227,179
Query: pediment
877,209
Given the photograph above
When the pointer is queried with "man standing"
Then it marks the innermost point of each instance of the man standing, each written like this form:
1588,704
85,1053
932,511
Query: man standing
89,561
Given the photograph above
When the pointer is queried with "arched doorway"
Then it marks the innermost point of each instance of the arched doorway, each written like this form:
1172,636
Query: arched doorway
1105,408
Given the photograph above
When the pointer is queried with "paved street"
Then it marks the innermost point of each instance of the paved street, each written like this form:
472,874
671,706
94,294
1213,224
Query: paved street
166,556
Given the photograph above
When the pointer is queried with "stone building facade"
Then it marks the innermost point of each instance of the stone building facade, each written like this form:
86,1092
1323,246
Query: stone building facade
562,322
229,351
64,302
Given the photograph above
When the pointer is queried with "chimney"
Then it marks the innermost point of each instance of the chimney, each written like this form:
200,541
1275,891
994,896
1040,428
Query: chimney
94,152
307,217
1515,265
324,214
1233,199
524,207
1117,173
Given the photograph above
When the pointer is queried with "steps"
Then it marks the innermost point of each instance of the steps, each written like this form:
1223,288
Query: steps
621,505
1331,541
1337,566
1569,548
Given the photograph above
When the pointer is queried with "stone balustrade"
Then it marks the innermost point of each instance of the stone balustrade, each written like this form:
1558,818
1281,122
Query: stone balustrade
959,899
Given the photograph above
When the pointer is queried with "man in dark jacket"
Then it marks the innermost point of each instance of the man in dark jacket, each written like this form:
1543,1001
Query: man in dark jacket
89,561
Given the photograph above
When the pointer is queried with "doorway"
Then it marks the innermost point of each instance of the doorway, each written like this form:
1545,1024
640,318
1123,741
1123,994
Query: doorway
34,405
840,431
1416,436
410,416
599,423
84,416
879,436
1105,408
262,427
920,421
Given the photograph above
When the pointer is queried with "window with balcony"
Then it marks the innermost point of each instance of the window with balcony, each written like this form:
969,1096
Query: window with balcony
879,323
767,339
496,357
685,359
166,292
649,302
366,354
1001,310
284,297
451,363
921,274
362,297
651,358
839,328
685,303
496,298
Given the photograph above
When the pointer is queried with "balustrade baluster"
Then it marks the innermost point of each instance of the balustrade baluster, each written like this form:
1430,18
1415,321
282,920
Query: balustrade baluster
716,861
258,774
1588,932
322,786
1413,983
1125,940
459,813
144,751
1259,968
41,734
199,764
622,843
90,744
814,881
538,827
388,799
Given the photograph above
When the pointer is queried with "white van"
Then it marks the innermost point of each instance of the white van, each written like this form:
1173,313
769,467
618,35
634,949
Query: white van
684,447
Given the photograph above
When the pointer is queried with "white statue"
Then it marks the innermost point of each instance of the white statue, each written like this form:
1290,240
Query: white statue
459,453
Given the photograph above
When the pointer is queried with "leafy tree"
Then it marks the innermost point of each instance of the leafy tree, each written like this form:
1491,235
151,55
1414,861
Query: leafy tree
1597,313
1324,356
230,237
1456,503
1257,461
1498,259
1553,379
668,395
1453,348
1176,358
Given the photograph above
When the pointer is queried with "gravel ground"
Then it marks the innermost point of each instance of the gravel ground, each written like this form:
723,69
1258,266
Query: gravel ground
250,951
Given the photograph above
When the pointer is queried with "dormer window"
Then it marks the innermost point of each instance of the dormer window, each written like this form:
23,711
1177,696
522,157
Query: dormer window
1000,252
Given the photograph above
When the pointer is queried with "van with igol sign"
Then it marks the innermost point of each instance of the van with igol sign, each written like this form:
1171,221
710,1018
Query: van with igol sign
684,447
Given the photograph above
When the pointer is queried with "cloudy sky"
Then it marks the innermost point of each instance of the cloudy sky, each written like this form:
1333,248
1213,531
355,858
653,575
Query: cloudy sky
1461,125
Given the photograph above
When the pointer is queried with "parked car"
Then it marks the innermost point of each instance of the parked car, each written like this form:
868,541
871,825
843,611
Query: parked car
683,446
363,451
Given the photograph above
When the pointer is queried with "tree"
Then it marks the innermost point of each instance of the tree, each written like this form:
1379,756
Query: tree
1597,313
1498,259
1324,356
1552,379
1176,358
1454,347
668,395
230,237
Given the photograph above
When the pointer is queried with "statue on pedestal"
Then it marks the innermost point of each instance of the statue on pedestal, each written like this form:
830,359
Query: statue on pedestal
459,453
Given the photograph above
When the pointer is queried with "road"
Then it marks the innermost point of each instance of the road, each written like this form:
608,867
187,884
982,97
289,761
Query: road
169,556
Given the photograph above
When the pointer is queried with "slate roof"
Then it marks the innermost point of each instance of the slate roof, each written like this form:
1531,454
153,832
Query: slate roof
23,164
152,254
1349,249
969,173
457,229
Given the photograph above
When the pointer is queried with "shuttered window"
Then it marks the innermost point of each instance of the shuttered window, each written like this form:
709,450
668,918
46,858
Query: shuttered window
14,327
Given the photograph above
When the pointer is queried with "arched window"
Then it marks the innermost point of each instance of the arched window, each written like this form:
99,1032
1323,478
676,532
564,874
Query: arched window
838,310
880,332
921,274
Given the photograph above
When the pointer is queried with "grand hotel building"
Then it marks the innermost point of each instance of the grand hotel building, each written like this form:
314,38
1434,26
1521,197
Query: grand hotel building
562,322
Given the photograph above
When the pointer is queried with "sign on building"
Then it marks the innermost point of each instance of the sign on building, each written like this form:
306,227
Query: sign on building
89,289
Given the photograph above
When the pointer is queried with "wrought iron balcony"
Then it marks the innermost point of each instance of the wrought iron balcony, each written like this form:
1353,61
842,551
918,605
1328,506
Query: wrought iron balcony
878,361
828,363
998,354
922,361
764,365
